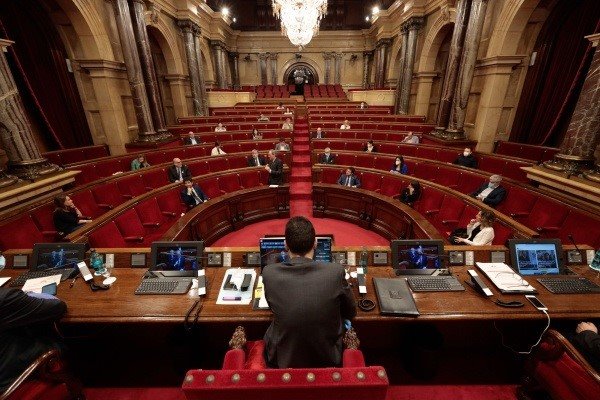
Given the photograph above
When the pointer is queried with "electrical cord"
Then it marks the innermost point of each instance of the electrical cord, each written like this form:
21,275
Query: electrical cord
366,304
534,345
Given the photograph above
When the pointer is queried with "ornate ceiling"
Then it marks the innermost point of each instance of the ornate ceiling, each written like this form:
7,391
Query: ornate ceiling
257,15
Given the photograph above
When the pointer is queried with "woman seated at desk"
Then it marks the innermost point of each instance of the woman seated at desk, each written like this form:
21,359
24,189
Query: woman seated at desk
480,231
66,216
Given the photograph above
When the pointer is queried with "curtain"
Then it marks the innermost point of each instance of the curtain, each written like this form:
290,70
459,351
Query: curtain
38,62
553,84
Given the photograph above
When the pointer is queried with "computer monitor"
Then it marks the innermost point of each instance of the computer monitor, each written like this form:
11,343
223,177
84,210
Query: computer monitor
272,250
57,255
536,256
417,257
176,258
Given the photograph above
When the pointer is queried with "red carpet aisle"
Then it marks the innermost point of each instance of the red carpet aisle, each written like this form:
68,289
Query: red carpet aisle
300,177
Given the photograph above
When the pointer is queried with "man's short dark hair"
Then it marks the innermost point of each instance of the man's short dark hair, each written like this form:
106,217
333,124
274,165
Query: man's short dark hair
299,235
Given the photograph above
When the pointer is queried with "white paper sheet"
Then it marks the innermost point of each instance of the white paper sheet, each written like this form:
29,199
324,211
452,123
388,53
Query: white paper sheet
35,285
236,296
505,279
4,280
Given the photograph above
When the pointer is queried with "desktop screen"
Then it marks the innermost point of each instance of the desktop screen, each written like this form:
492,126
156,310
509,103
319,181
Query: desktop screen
536,257
57,255
177,256
417,254
272,250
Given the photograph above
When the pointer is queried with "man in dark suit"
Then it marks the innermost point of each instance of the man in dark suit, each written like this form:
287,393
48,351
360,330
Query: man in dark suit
256,160
466,159
490,193
191,139
327,157
25,330
349,178
309,301
275,169
178,172
192,195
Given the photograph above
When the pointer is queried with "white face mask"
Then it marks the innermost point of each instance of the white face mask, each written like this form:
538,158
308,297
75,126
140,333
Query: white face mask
492,185
2,261
397,162
466,154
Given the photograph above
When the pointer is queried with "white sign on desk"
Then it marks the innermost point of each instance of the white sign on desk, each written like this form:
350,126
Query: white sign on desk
236,295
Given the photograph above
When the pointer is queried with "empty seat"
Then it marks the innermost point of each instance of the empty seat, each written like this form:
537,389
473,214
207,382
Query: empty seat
107,195
155,178
107,235
131,227
131,186
229,183
249,179
20,233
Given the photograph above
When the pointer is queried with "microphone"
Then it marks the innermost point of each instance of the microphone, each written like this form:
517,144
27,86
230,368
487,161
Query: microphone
574,256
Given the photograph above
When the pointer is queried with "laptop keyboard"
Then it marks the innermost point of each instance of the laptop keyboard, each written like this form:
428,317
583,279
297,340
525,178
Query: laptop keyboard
164,286
569,286
21,279
434,284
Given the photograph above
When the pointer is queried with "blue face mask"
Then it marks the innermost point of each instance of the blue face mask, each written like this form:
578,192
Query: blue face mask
492,185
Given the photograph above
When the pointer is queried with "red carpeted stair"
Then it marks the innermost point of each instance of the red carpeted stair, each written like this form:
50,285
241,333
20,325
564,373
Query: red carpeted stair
301,172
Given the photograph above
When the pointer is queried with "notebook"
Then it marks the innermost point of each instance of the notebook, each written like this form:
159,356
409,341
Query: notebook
394,297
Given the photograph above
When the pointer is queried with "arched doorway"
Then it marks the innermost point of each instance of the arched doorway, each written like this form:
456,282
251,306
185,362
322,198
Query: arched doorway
300,74
161,68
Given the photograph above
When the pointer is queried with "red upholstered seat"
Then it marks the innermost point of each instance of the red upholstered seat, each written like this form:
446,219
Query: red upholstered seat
107,235
218,164
87,173
131,186
430,201
346,160
131,227
211,187
20,233
518,202
383,163
107,195
44,379
391,185
364,160
170,203
229,183
370,181
447,177
557,368
155,178
152,218
243,375
450,210
546,217
237,162
583,227
43,217
331,175
249,179
502,233
199,168
354,146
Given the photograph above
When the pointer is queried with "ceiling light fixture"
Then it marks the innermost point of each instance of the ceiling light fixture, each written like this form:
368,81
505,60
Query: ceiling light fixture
300,19
225,11
375,10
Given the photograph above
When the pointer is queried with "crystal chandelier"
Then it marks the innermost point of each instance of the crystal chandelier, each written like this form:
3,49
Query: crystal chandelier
300,19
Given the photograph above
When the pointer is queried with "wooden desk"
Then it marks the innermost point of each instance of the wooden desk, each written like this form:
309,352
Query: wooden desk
119,304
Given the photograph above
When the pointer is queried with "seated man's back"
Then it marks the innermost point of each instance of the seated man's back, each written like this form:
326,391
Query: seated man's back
309,301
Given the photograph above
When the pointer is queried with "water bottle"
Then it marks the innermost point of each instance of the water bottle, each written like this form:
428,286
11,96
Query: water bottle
97,263
364,258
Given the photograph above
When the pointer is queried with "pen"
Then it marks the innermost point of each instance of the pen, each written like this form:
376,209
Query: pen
73,282
231,298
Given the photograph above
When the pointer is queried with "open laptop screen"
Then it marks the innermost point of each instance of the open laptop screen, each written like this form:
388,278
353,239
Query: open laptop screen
272,250
176,256
410,255
536,256
57,255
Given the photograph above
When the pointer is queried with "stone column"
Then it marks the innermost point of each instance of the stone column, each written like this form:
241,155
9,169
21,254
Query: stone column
135,76
235,57
412,25
219,49
273,63
337,66
201,79
467,68
583,134
381,54
367,57
16,138
143,45
403,41
327,57
263,68
456,44
187,28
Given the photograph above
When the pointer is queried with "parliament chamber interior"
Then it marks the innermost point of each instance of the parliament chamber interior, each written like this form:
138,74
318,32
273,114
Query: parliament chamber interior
155,158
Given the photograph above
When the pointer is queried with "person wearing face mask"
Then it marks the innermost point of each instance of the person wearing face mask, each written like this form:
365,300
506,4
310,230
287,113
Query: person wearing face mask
490,193
370,147
411,193
466,159
399,166
327,157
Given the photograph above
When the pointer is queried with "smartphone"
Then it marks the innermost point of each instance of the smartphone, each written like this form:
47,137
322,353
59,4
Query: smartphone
49,289
85,271
536,302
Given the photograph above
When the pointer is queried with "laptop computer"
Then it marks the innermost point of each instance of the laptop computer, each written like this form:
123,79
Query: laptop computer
176,259
418,257
544,258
